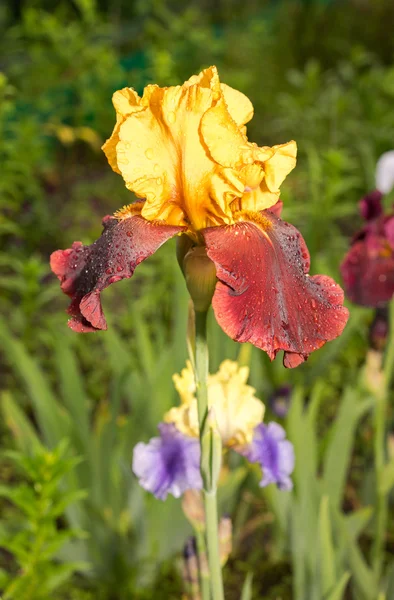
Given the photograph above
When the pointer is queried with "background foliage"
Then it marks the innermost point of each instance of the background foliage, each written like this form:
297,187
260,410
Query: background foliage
75,525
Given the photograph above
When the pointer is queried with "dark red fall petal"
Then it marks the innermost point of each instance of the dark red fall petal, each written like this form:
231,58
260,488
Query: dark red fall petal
85,271
371,205
368,272
277,208
264,295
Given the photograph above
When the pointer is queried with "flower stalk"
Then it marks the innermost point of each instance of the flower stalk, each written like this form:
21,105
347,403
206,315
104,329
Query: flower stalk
379,451
209,457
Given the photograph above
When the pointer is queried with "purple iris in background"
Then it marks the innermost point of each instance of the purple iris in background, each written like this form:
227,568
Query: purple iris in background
274,453
169,464
368,267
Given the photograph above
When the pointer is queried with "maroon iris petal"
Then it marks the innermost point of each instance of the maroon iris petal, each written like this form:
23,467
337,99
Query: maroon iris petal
264,295
371,205
368,271
277,208
85,271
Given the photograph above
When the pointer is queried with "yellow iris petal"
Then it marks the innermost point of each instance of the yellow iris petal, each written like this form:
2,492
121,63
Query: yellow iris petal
239,106
125,101
237,410
279,165
184,150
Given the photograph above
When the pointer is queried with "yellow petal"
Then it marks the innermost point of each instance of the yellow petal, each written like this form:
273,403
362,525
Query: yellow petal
279,165
226,144
162,158
259,199
237,410
184,150
125,101
239,106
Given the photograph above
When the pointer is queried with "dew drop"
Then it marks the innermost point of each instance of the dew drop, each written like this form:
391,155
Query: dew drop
128,233
109,271
148,153
159,181
156,168
123,161
171,117
313,303
119,268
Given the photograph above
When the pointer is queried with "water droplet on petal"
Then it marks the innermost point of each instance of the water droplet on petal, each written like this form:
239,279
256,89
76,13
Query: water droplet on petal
171,117
149,153
159,181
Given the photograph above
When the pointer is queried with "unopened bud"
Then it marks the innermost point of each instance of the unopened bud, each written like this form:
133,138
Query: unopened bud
200,276
193,507
191,568
211,455
225,539
373,373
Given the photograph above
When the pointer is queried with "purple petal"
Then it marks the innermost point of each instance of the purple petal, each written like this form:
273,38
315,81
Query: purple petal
169,464
275,454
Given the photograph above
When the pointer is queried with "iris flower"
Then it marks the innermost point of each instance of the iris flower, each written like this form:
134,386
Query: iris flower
169,464
368,267
184,152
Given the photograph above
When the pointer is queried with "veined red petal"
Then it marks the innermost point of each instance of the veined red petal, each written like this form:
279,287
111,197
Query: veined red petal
85,271
264,295
368,271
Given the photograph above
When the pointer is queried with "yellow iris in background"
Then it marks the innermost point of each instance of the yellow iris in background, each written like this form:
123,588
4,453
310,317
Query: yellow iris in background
237,410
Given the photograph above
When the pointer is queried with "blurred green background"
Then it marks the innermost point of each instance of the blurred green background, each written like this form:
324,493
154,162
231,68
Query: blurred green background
74,523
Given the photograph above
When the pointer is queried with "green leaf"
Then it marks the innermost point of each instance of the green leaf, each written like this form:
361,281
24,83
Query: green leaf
73,392
386,479
24,434
247,587
342,436
52,419
327,554
357,521
338,592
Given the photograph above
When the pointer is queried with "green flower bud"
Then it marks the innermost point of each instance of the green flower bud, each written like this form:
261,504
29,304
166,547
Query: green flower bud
200,276
211,455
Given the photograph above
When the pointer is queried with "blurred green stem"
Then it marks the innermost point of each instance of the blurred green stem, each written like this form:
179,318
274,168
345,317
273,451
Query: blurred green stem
380,451
202,564
210,498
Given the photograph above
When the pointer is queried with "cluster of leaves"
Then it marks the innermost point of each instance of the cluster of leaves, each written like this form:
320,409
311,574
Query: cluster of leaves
33,537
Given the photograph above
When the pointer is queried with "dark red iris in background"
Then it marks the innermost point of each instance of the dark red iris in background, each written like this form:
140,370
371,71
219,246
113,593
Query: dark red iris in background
368,267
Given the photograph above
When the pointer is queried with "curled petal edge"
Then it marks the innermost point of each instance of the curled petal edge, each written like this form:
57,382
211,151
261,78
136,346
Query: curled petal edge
85,271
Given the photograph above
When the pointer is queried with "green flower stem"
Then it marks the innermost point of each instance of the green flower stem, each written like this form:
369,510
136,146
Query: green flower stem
210,499
380,452
202,559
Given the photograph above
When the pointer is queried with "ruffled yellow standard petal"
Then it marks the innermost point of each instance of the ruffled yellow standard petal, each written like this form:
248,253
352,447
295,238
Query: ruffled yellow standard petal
236,408
126,102
184,150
